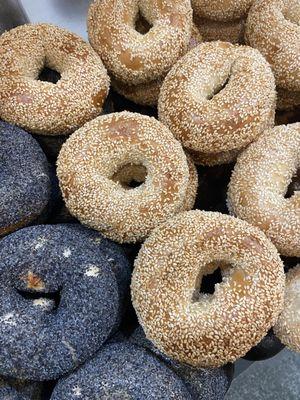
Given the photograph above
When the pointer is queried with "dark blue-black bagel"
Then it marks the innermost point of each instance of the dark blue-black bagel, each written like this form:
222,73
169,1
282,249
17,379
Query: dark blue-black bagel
60,292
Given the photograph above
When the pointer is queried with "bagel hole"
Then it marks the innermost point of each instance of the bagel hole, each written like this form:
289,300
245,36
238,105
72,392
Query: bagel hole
218,88
294,185
142,25
206,282
130,176
210,280
54,296
49,75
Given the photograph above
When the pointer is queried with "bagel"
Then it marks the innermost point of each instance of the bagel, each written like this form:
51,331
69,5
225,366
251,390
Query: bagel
273,28
43,107
91,157
230,31
202,329
147,94
259,184
203,383
206,102
129,56
287,327
221,11
25,180
61,288
122,371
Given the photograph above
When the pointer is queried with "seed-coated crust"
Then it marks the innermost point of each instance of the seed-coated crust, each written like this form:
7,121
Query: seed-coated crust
9,393
287,327
273,28
217,10
122,371
202,383
25,181
42,341
231,31
93,154
147,93
44,107
229,120
131,57
200,329
192,188
287,100
260,181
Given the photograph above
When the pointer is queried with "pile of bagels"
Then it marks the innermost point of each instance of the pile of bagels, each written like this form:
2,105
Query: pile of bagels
203,86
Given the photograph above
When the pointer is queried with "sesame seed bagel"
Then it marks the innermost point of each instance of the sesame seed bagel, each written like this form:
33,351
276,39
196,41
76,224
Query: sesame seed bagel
196,328
43,107
287,327
147,93
221,10
230,31
92,156
259,184
206,102
273,28
132,57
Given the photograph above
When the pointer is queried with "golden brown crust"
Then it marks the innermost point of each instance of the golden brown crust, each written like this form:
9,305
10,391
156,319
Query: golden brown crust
273,28
287,327
92,156
196,328
131,57
260,181
147,93
192,189
231,31
229,120
225,10
44,107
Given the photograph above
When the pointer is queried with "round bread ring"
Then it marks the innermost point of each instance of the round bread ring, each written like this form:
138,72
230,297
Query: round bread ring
131,57
287,327
92,155
221,11
273,28
42,340
231,31
207,118
260,181
25,179
43,107
137,173
287,100
201,329
123,371
147,94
